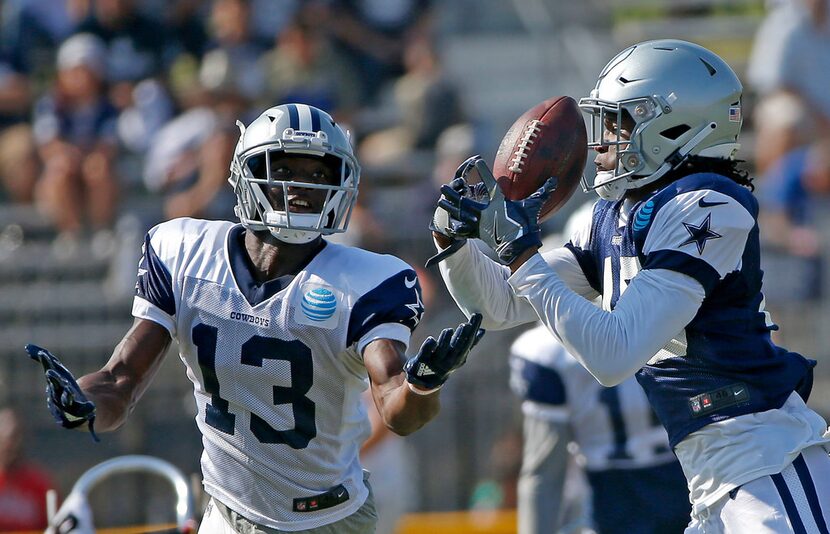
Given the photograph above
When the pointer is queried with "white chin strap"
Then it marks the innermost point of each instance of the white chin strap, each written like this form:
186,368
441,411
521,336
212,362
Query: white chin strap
609,187
291,235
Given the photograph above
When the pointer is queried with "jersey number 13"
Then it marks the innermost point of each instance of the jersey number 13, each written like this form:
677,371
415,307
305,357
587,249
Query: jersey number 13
253,352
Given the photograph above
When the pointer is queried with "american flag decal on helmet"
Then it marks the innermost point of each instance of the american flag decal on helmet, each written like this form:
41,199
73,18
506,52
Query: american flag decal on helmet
735,114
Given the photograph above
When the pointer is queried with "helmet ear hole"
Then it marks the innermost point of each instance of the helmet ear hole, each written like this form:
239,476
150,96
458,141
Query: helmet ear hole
256,164
675,131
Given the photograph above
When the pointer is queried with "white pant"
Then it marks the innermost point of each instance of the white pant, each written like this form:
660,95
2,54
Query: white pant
796,500
216,521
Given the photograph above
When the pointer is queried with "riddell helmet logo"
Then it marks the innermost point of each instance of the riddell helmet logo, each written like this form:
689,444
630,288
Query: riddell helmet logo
319,304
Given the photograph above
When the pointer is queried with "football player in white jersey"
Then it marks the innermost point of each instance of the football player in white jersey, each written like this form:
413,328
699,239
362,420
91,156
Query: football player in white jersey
673,251
280,332
624,450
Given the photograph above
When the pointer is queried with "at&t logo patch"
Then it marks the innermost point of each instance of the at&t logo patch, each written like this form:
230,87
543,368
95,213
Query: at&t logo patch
318,306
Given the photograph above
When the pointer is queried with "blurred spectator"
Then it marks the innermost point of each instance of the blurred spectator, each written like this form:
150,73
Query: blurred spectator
783,123
788,193
187,161
135,45
374,33
74,126
230,32
424,102
389,458
498,491
791,52
270,17
19,164
15,92
149,109
30,30
303,67
23,485
186,23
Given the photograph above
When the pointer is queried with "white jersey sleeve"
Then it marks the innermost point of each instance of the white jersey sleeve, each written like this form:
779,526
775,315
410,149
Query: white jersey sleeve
702,224
167,247
612,345
478,284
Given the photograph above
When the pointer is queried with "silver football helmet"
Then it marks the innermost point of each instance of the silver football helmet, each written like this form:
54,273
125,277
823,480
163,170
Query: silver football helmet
292,129
683,99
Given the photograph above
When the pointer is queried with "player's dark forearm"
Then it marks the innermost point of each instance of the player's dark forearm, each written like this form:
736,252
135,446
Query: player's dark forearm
113,398
117,387
405,411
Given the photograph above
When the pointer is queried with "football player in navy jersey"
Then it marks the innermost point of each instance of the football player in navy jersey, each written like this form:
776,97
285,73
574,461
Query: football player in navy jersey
672,250
280,332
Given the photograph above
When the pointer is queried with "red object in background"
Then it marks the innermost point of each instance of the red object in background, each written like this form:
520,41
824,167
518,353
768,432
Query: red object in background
23,498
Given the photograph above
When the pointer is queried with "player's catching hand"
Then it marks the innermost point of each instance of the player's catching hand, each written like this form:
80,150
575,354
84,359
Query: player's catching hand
437,358
66,401
508,227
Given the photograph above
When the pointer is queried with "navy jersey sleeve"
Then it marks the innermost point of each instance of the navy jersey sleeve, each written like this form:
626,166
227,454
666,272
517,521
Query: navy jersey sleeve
155,284
532,381
396,300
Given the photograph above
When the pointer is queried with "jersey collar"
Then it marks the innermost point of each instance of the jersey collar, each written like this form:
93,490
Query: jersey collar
242,270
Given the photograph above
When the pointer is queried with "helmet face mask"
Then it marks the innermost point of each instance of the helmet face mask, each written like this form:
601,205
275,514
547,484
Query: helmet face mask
264,200
681,100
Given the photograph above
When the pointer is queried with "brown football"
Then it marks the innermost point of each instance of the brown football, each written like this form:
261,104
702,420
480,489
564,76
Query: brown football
548,140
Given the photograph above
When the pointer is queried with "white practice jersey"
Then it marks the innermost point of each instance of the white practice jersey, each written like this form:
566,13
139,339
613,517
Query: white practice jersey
615,427
276,367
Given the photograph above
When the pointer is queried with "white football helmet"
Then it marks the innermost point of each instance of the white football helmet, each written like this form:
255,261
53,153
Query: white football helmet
684,100
292,129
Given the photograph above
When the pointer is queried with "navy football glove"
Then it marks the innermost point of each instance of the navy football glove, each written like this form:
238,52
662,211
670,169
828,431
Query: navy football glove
509,227
457,225
66,401
436,359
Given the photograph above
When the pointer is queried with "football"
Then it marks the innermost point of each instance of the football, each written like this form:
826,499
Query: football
548,140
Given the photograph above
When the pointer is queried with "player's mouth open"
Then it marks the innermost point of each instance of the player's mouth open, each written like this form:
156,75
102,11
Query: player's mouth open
300,205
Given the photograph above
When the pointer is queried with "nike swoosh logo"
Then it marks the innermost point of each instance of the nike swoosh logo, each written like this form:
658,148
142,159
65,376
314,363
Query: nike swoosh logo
738,392
410,283
703,204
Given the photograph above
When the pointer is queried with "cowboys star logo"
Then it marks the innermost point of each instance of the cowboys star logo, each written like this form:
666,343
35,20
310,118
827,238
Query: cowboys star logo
700,234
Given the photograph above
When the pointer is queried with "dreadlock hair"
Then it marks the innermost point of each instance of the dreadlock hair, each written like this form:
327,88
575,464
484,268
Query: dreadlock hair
693,165
725,167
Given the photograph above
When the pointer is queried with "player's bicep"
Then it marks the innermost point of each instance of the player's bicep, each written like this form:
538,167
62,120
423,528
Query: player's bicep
384,359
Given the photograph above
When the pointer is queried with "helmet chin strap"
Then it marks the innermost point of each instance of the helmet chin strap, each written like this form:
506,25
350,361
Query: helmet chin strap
608,187
291,235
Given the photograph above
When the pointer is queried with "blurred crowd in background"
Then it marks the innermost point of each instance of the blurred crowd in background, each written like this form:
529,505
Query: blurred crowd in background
118,114
105,103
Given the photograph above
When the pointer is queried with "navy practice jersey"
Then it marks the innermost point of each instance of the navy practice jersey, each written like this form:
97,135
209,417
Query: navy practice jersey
724,363
276,367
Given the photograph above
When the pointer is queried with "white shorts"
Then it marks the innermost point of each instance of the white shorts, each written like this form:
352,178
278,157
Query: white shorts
796,500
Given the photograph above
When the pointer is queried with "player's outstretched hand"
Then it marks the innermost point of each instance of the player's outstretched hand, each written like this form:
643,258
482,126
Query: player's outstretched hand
509,227
66,401
437,358
456,220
